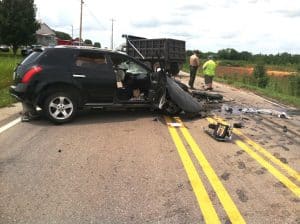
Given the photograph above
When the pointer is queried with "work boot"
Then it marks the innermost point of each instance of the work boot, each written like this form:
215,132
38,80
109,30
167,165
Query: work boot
26,117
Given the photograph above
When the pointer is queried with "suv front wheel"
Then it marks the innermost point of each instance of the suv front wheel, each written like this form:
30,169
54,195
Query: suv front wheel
60,107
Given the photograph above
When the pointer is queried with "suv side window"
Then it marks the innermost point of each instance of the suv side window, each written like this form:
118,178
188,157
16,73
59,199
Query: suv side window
56,57
90,59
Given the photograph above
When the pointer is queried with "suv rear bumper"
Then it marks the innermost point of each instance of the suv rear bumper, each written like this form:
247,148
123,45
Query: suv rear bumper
18,91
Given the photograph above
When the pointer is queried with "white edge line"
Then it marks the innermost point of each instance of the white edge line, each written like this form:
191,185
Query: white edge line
10,124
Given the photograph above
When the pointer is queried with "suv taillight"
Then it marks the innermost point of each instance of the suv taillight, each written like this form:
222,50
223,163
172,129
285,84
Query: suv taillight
30,73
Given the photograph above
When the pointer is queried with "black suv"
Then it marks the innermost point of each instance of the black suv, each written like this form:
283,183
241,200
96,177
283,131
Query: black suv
63,80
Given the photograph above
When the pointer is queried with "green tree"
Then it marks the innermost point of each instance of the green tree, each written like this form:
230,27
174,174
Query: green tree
245,55
260,75
97,44
62,35
89,42
17,24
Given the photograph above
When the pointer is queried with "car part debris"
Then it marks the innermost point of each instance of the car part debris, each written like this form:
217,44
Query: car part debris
229,110
250,110
174,124
221,131
273,112
238,125
202,95
284,128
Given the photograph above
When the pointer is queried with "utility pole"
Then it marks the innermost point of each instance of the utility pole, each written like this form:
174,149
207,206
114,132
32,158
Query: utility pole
80,28
112,34
72,31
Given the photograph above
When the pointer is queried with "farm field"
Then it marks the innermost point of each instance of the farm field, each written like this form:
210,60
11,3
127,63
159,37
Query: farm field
280,85
222,70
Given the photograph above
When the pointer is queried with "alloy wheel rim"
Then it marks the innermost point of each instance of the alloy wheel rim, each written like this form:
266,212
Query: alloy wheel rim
61,108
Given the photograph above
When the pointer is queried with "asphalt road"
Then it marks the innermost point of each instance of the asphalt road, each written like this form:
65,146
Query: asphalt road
132,167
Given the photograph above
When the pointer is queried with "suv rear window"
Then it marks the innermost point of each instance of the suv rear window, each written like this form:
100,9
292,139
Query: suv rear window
31,58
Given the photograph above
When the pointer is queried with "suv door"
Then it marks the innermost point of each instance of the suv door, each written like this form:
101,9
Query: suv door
96,77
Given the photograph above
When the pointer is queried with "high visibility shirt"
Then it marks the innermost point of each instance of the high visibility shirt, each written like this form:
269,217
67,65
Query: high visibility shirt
209,68
194,60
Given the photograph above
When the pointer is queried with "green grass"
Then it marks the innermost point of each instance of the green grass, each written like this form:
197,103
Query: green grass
7,64
281,89
5,98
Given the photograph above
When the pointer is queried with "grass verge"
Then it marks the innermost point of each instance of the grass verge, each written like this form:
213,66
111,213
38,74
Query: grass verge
5,98
282,98
7,64
281,89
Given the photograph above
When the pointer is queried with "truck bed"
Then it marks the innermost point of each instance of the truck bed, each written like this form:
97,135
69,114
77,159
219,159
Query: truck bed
168,50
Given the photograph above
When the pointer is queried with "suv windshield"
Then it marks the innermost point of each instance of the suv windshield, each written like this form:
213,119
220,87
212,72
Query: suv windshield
134,68
30,58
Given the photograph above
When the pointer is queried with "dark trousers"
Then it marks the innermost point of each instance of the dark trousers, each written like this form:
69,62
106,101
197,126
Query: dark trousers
208,79
28,109
193,71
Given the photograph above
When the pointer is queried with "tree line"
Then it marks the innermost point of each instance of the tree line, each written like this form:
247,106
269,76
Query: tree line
232,54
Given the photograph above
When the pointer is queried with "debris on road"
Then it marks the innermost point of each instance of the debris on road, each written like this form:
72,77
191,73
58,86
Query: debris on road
242,195
214,97
220,131
225,175
238,125
237,110
279,114
284,129
174,124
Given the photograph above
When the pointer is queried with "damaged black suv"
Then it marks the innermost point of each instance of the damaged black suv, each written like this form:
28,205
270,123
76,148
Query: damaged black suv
63,80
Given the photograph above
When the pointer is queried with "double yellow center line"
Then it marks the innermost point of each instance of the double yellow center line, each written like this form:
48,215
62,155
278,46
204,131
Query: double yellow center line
256,151
205,204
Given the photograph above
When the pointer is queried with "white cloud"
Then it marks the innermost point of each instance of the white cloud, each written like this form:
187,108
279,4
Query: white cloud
267,26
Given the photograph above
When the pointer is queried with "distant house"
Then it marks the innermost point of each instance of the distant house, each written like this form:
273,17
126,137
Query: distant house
45,36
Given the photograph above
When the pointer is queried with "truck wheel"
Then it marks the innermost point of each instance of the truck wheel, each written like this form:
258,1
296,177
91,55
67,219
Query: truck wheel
60,107
171,108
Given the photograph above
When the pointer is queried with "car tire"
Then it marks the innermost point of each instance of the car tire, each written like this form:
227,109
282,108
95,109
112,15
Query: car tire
171,108
60,107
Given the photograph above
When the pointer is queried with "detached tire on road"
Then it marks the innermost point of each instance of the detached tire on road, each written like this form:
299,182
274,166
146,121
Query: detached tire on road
60,107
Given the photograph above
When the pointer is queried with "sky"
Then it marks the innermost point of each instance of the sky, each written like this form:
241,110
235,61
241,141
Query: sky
257,26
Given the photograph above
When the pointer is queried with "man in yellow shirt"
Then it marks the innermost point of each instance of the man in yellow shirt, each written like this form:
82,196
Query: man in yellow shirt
209,71
194,64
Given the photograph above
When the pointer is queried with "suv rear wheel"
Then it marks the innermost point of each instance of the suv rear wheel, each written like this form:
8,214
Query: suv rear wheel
60,107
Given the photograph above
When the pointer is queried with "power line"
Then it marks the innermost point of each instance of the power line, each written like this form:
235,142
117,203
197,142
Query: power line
80,27
93,15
